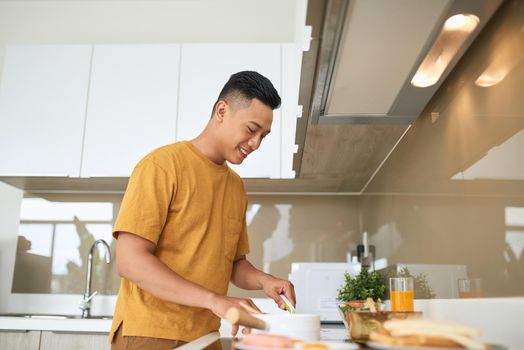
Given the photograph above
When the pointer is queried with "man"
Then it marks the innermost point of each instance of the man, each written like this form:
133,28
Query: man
181,230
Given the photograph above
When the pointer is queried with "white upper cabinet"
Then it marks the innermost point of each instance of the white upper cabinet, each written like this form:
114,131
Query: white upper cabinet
132,106
95,111
205,68
42,109
290,111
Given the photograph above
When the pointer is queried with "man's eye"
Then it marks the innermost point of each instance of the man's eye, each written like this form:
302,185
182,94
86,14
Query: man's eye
250,130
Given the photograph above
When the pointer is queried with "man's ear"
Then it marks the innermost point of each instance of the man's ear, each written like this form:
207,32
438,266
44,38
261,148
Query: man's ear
220,110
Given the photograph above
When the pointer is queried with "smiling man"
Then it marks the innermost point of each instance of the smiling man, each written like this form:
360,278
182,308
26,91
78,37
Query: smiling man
181,230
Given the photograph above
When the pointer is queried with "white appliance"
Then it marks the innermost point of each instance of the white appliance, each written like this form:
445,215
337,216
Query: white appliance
316,287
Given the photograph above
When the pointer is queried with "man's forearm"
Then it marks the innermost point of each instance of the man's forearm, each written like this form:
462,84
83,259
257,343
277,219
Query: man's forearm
246,276
153,276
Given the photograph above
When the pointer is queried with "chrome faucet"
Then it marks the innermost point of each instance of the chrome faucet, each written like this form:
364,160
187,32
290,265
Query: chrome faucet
85,303
366,253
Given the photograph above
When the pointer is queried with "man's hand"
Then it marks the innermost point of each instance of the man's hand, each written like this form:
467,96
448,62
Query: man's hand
246,276
273,287
219,305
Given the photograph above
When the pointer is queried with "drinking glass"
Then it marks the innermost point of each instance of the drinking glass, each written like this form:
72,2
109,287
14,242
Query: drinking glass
401,293
469,288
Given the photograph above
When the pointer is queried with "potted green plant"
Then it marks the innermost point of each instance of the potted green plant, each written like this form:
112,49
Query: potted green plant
356,290
360,299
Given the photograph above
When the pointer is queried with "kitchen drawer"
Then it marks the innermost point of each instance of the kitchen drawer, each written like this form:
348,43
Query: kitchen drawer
77,341
29,340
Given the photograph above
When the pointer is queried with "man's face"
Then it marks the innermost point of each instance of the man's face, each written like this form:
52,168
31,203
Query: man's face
244,126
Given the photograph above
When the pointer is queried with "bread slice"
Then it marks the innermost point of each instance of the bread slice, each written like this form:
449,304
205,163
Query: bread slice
420,324
417,341
461,340
428,333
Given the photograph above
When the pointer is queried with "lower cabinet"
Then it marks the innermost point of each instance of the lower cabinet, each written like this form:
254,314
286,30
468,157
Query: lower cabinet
75,341
29,340
47,340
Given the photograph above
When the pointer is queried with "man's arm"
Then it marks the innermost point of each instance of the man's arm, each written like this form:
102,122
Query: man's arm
246,276
135,261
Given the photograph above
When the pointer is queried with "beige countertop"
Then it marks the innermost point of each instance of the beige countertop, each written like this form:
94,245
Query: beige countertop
52,323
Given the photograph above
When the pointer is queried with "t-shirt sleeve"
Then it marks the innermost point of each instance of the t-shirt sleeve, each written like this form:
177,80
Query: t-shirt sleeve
146,202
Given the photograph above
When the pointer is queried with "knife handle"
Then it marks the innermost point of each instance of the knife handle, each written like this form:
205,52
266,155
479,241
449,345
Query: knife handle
237,316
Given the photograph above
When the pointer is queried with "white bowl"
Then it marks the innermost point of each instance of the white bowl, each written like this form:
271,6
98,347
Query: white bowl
297,326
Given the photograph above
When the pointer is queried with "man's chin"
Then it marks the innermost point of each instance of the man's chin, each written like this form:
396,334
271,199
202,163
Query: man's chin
235,161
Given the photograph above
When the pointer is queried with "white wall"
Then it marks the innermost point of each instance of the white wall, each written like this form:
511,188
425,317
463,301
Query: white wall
10,204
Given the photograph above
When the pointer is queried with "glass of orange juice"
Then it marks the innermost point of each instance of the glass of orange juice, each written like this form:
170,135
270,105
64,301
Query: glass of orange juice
469,288
401,293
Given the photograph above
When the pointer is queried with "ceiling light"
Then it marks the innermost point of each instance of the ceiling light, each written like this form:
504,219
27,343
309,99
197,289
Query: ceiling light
453,35
490,77
503,61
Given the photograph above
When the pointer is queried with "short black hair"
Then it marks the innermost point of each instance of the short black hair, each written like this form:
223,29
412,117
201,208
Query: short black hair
250,85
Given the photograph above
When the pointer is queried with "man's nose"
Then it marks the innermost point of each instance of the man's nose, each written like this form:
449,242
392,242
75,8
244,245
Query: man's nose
254,142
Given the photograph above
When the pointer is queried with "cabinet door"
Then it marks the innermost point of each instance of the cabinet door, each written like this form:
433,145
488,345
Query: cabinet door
27,340
43,98
131,108
290,111
78,341
205,68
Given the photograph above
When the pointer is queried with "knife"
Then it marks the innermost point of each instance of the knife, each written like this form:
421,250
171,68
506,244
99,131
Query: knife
289,307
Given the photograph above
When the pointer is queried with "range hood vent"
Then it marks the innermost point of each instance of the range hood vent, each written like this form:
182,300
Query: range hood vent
370,51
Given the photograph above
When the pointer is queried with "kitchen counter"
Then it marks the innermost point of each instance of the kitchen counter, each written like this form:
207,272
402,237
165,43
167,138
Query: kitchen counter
328,332
92,325
499,319
333,332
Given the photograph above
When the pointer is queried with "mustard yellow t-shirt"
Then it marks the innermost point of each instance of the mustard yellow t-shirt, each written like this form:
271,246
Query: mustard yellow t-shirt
193,210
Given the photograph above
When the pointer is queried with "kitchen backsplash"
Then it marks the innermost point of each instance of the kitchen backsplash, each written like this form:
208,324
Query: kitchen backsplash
56,232
483,234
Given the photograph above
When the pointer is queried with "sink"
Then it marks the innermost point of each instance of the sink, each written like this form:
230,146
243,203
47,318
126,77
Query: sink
56,316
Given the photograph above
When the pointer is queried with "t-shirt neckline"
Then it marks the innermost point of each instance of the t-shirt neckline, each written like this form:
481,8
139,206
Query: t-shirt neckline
199,154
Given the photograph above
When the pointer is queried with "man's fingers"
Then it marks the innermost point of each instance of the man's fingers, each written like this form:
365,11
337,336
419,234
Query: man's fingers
289,292
276,297
290,295
275,287
234,330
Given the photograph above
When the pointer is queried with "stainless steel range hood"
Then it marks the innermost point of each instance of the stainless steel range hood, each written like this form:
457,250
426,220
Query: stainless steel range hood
370,51
356,90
